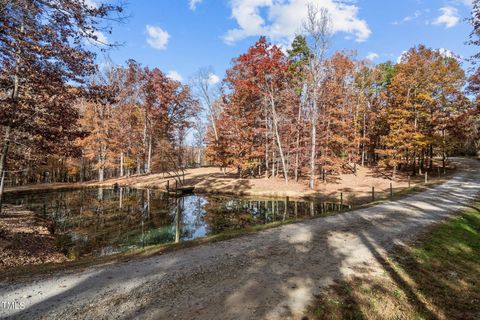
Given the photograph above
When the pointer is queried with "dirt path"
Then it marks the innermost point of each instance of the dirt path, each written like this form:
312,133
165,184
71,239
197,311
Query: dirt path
269,275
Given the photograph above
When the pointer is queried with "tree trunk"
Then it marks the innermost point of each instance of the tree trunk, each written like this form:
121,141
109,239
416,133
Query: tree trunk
266,146
101,174
121,164
297,145
279,142
431,157
394,172
149,158
214,126
444,153
312,156
273,163
414,161
364,135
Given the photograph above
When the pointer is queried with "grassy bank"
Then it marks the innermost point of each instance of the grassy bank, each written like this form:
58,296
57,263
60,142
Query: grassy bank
436,278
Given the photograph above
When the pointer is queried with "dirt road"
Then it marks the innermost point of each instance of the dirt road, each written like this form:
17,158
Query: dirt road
268,275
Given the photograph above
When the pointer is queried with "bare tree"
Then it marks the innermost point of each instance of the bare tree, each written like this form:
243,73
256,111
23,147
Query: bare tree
204,85
199,139
317,28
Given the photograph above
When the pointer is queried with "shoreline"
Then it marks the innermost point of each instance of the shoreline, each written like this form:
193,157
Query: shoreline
49,266
210,181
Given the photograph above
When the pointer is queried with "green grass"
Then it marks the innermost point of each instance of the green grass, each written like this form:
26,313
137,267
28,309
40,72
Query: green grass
437,278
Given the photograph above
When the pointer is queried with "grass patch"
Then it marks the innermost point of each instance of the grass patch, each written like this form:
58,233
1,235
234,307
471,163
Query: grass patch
436,278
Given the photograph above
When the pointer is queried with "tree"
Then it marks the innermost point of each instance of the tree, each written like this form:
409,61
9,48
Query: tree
318,29
260,94
205,88
42,54
173,108
425,95
299,56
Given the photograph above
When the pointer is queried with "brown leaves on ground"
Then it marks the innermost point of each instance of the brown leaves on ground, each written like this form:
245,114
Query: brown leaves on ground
25,239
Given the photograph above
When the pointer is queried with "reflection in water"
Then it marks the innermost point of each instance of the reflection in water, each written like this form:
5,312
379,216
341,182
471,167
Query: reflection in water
102,221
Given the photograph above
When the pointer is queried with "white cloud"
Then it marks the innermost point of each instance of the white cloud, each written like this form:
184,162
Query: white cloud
157,37
282,19
101,38
402,56
91,3
372,56
414,16
194,3
213,79
449,17
449,53
174,75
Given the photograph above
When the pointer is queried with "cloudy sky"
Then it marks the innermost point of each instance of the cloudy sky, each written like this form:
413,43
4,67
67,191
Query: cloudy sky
180,36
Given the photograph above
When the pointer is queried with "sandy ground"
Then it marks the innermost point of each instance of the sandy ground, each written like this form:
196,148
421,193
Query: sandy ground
212,180
273,274
25,239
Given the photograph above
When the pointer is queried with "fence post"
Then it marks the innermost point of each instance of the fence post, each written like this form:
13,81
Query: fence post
373,194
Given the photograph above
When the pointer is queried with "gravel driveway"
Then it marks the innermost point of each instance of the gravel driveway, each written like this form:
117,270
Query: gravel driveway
272,274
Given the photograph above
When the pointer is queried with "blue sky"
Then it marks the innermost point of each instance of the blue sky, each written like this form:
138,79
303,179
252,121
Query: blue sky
180,36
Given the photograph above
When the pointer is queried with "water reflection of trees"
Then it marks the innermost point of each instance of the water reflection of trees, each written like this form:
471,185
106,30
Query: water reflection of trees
106,221
223,213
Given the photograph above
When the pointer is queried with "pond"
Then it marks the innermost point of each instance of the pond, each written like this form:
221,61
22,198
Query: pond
99,222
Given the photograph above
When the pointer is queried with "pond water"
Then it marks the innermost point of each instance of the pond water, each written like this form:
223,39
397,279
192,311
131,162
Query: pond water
99,222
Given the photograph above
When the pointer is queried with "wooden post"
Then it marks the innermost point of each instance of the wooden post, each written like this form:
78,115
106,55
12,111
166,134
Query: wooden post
286,206
373,194
426,176
177,222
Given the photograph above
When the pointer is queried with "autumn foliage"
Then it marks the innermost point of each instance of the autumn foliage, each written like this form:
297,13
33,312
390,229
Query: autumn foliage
299,114
400,116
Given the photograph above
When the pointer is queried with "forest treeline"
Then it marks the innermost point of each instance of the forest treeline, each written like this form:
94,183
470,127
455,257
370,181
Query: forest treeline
300,113
305,113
